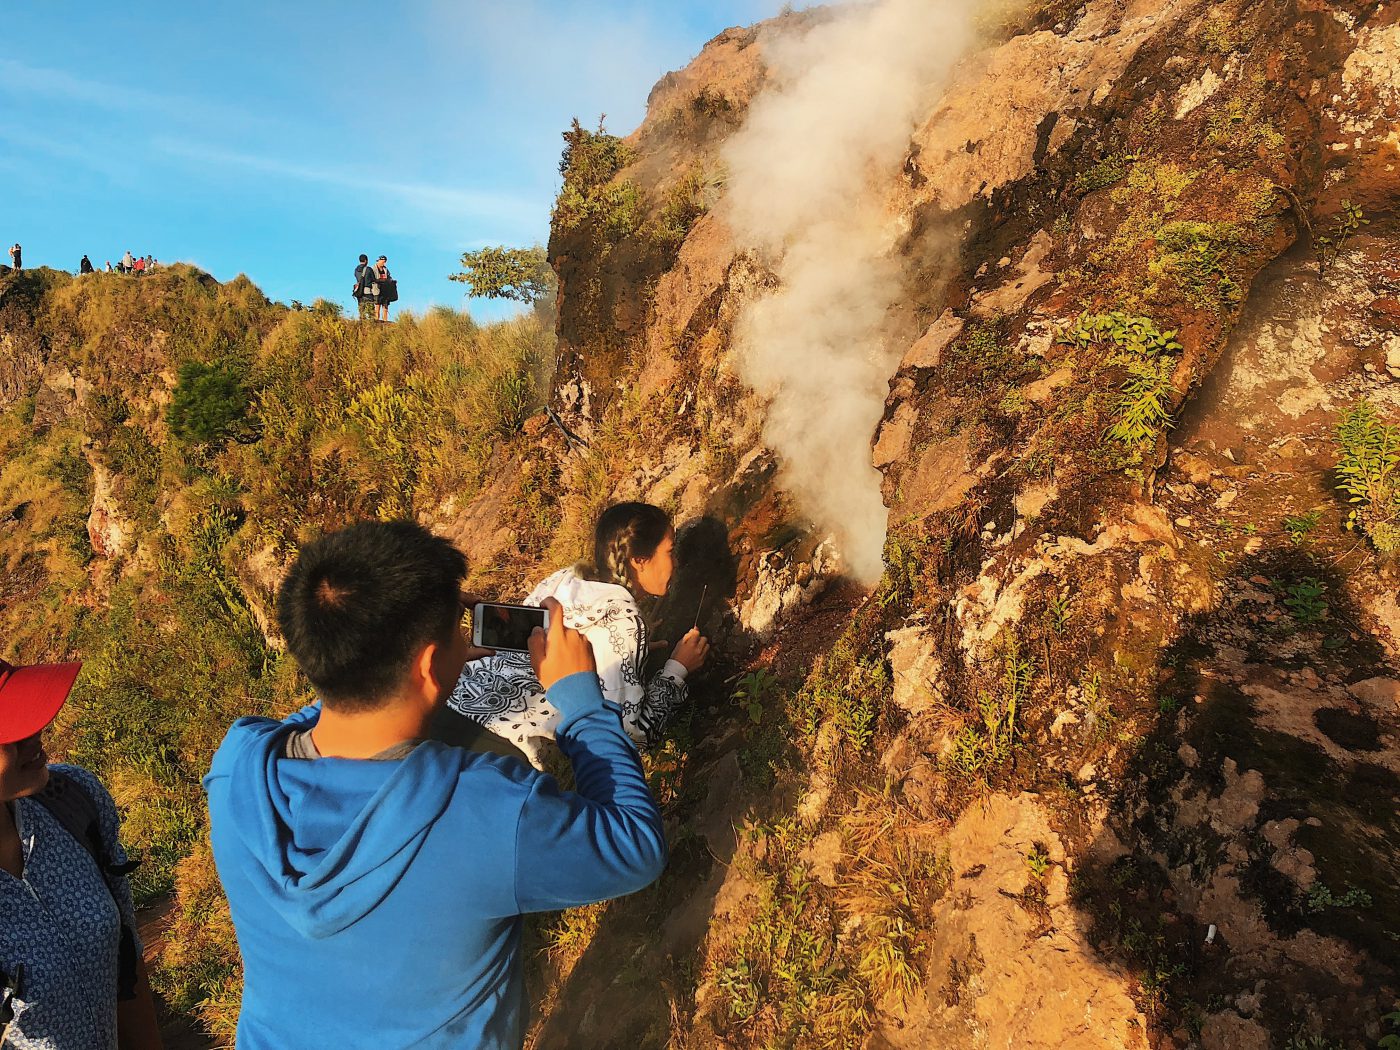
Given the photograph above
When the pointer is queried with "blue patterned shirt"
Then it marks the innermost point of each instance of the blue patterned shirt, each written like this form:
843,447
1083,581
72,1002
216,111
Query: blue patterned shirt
61,923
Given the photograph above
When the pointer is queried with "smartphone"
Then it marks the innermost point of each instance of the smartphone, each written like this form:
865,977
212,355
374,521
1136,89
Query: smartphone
506,626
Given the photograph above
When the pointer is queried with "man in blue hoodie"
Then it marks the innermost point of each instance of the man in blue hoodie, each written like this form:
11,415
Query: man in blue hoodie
377,880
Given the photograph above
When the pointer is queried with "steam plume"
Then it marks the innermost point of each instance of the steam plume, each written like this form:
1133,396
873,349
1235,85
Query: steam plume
808,174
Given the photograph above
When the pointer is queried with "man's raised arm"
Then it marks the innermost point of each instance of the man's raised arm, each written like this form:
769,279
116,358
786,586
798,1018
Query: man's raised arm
605,839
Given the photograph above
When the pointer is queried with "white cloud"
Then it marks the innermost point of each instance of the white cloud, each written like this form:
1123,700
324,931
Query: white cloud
55,84
444,203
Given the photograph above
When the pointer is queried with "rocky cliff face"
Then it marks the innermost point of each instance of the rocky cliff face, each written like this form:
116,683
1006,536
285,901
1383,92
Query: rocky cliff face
1107,758
1131,688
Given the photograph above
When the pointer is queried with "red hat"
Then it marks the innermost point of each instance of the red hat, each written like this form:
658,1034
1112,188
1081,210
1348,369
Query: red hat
31,696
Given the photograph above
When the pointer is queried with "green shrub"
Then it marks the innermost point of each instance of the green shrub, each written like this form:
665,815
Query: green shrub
1199,256
688,199
590,195
1366,472
209,405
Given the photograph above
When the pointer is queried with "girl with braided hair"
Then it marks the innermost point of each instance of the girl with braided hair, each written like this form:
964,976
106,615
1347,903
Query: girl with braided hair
633,558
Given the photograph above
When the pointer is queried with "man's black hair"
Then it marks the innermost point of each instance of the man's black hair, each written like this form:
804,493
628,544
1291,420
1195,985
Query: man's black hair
359,605
364,258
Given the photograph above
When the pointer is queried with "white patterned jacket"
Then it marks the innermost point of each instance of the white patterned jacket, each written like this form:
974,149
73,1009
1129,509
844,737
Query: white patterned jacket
502,693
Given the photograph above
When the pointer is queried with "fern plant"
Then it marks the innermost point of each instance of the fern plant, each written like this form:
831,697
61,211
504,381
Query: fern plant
1149,356
1366,472
1142,402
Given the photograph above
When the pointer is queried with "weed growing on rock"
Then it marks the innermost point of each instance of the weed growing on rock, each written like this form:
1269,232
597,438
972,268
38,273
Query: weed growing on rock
1057,613
1198,257
1366,472
988,742
893,881
752,692
1311,1041
1241,121
1304,601
691,197
1038,862
1142,411
784,972
1329,246
567,937
1392,1020
847,688
1320,898
815,957
1103,173
1300,527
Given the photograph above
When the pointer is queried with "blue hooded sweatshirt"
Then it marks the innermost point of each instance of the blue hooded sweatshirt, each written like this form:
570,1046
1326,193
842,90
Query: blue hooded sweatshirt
377,903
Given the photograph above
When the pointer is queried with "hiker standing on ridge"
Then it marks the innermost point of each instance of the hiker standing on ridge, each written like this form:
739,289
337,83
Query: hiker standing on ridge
363,291
386,289
140,266
128,264
71,975
85,265
17,257
355,853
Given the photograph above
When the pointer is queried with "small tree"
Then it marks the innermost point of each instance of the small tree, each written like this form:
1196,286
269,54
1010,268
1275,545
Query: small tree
521,274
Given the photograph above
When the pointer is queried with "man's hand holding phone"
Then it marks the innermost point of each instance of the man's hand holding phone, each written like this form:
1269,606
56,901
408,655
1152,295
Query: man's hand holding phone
561,651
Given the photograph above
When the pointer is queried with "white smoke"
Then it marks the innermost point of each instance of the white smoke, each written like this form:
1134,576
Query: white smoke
808,175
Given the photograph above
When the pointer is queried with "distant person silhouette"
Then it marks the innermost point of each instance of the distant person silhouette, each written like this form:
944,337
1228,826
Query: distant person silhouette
150,264
85,266
17,257
363,292
140,266
128,264
386,289
109,265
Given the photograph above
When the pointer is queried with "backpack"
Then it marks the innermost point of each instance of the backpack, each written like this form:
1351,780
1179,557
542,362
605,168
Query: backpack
76,811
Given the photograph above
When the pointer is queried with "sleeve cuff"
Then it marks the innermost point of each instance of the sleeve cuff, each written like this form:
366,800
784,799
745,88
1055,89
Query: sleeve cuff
675,669
576,695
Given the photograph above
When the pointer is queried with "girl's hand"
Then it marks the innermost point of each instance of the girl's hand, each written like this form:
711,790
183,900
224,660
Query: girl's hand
692,650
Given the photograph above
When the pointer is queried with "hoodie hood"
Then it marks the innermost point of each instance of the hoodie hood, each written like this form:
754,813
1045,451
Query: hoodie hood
330,837
587,601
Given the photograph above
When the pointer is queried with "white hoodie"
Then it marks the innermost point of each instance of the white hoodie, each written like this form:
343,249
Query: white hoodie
502,693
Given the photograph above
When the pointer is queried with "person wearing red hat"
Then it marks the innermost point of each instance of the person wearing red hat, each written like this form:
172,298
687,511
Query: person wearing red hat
71,976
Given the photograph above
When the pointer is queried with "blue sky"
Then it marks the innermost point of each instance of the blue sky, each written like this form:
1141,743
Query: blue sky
281,139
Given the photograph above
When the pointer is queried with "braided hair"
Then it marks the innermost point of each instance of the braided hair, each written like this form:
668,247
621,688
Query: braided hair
626,531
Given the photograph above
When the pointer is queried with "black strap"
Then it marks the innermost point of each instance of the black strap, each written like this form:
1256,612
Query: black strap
76,810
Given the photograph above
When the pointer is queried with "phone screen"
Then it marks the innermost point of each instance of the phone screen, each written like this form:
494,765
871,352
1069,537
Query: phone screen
506,626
